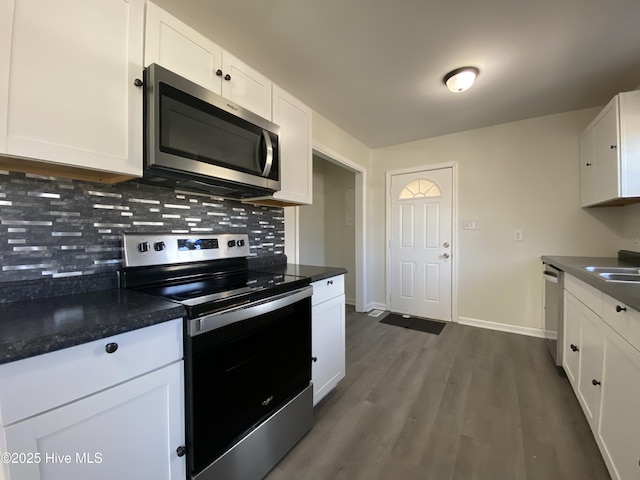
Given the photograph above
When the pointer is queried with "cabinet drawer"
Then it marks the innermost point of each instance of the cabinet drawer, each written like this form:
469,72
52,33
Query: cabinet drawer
626,321
326,289
588,295
43,382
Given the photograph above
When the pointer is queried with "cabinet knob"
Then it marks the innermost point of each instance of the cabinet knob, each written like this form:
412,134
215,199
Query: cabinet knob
137,82
620,309
111,347
314,359
181,451
613,147
445,255
589,164
595,382
330,282
574,348
218,73
227,77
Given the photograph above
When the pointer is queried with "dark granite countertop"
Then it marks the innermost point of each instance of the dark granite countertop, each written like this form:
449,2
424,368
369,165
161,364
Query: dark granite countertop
313,272
33,321
36,326
627,293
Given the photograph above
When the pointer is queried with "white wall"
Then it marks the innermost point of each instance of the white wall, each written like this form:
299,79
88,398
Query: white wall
340,235
312,221
631,227
326,238
329,135
518,175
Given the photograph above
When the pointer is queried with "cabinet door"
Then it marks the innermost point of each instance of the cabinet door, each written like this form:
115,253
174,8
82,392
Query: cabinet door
327,345
71,73
619,431
605,155
179,48
591,355
6,25
572,332
587,178
245,86
296,168
130,431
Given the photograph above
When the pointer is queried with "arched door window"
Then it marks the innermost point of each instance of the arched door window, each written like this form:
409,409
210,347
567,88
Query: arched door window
421,188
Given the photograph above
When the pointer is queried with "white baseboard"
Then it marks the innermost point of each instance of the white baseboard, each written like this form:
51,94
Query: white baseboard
502,327
375,306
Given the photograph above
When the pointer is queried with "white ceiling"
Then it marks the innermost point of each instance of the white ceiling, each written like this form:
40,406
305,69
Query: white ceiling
375,67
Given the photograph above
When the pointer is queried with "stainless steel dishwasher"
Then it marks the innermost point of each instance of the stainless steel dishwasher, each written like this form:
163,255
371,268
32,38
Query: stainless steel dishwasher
553,311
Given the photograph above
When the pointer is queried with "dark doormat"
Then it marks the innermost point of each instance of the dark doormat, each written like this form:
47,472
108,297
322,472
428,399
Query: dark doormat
414,323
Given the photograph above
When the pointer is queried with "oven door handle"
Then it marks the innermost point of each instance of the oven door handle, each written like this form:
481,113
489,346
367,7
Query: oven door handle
237,314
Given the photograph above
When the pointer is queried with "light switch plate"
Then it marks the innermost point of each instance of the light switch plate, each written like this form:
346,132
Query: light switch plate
470,225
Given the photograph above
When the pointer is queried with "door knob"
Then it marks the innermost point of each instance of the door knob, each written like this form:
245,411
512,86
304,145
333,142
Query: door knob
445,255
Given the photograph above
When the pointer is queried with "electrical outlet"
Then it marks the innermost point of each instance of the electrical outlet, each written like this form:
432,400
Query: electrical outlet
518,235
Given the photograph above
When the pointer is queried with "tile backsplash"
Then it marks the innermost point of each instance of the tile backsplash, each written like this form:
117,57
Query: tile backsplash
52,227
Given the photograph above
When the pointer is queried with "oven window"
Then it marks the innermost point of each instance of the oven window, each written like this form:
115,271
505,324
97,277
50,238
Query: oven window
242,373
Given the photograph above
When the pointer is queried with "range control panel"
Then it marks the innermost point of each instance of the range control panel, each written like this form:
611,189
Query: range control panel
142,250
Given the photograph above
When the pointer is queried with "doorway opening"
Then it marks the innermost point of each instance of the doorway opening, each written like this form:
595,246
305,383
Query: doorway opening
330,232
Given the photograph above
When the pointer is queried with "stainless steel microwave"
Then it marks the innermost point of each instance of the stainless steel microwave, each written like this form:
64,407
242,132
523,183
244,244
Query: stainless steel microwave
197,140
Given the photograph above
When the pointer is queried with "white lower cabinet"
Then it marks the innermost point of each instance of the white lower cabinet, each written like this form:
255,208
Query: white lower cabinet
619,432
130,429
327,335
604,371
590,377
572,332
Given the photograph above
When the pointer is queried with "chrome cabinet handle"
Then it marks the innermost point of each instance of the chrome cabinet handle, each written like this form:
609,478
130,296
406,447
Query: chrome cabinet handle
269,161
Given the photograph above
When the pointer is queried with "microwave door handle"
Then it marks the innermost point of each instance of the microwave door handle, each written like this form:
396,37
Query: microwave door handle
269,159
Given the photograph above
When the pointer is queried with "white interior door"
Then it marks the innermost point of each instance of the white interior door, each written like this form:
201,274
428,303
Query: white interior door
420,244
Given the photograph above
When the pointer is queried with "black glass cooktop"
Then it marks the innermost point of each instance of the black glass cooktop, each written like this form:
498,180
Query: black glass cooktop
207,294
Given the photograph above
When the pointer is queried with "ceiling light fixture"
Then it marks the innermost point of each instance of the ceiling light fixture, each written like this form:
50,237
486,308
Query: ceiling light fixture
460,79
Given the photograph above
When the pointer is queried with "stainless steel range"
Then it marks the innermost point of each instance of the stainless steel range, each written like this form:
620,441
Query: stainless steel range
247,349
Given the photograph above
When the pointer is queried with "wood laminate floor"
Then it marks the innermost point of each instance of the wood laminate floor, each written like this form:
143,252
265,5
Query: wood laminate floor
466,404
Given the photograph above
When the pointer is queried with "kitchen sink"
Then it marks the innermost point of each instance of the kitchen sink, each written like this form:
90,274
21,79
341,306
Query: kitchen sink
621,277
614,270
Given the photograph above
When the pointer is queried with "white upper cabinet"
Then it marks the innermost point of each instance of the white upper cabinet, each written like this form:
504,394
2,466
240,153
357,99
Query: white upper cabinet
296,169
245,86
610,153
179,48
67,87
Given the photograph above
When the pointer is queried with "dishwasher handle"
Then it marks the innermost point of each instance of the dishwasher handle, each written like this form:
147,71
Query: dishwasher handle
551,277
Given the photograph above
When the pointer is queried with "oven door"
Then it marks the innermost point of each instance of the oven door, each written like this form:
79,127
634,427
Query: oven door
243,364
